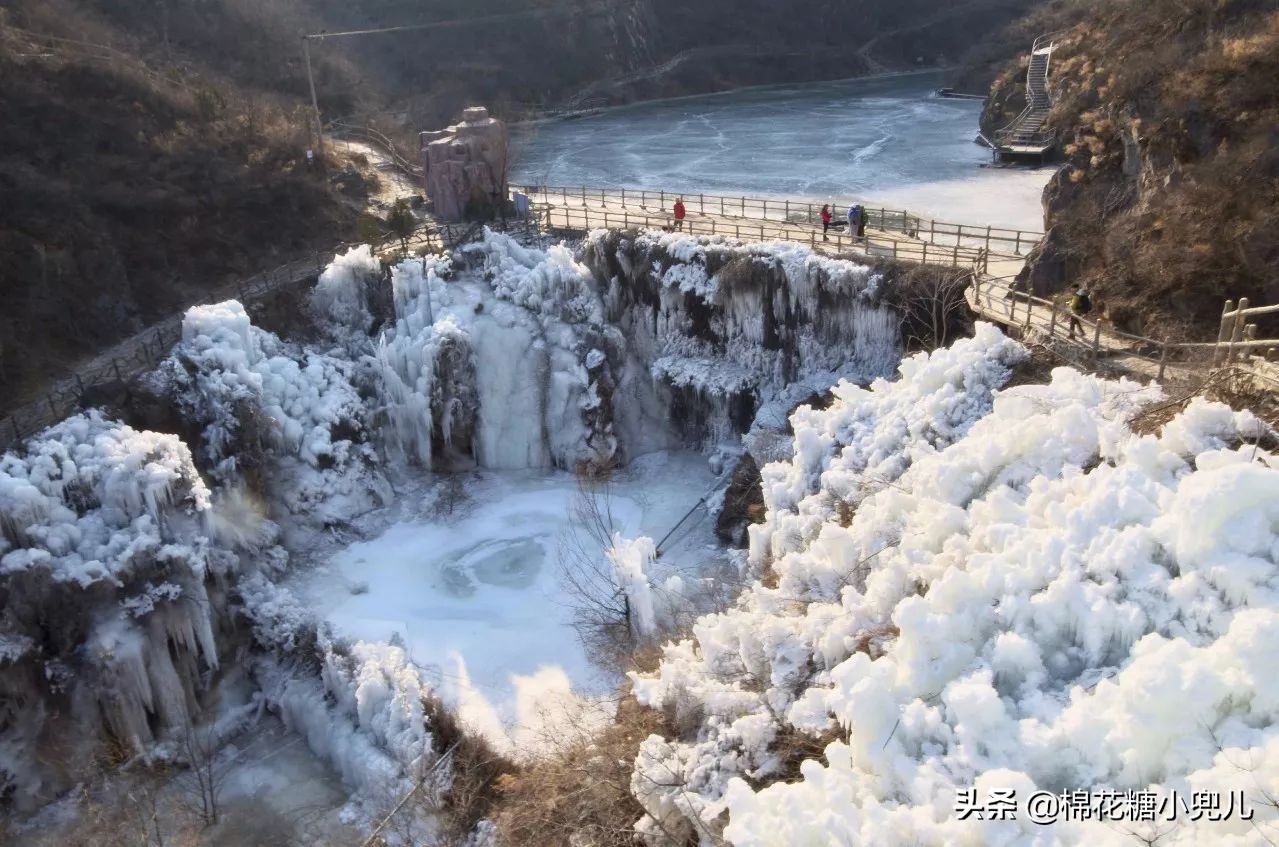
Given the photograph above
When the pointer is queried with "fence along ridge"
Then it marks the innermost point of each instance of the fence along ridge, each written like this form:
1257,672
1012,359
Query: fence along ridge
148,348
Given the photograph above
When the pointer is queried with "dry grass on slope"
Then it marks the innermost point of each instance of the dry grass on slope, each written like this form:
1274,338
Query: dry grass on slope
1166,110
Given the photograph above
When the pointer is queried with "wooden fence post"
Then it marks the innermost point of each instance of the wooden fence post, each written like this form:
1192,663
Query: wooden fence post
1052,325
1096,340
1236,333
1163,360
1222,330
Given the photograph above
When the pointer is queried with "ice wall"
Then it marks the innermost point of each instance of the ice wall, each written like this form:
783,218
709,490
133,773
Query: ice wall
513,356
727,327
495,360
263,403
962,588
109,567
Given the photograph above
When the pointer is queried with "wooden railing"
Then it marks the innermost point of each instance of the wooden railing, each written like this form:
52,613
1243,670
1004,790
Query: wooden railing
997,299
582,219
382,142
994,240
147,349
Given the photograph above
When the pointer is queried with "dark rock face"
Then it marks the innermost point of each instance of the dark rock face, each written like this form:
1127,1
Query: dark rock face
1166,206
455,407
743,503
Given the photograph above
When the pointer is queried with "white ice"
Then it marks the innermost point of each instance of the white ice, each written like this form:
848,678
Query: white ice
886,142
476,599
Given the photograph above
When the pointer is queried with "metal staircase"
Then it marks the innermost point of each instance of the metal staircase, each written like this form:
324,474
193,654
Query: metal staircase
1027,134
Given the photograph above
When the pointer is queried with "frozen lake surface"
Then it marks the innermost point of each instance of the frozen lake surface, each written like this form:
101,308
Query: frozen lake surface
888,142
473,589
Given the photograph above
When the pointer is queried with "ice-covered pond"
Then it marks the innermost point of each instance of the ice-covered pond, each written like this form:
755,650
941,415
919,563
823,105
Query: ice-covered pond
889,141
469,576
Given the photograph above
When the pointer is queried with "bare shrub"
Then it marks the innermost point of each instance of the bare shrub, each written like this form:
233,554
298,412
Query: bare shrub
477,768
580,794
200,789
601,613
933,305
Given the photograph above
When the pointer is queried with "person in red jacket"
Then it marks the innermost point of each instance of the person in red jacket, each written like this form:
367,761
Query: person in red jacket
680,212
826,219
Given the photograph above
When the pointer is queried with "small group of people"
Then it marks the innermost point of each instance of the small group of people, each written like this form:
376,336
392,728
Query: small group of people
856,221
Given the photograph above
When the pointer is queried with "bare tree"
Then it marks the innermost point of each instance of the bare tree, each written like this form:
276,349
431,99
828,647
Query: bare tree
601,612
201,786
933,305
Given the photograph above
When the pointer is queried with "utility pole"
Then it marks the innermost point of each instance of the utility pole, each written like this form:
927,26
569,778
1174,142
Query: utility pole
315,102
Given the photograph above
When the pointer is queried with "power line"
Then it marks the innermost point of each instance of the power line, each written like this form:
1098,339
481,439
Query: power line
452,22
446,24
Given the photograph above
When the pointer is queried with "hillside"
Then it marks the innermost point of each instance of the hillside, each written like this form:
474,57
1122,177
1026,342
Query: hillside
159,153
130,191
1169,200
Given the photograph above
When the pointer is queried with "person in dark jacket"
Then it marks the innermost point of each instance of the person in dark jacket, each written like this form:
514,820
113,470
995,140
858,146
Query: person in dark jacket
1080,305
854,216
861,221
827,217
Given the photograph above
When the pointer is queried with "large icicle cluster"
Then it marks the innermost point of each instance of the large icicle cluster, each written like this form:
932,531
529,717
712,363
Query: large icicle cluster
728,326
498,360
105,609
253,393
957,593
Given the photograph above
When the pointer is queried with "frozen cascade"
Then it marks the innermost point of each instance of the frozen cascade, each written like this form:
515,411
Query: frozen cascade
491,363
110,525
553,362
728,328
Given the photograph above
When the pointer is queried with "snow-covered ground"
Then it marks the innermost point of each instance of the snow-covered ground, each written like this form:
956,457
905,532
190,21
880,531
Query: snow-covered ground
988,608
469,579
886,142
955,586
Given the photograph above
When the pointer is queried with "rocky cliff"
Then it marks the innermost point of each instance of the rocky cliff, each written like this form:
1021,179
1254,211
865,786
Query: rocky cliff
1166,114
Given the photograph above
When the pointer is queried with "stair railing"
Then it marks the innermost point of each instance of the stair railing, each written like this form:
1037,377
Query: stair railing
1001,135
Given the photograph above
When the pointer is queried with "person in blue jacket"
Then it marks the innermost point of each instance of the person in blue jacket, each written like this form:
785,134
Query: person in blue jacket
854,217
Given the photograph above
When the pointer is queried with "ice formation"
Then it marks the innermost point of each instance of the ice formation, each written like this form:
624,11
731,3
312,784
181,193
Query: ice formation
163,559
962,587
728,327
109,589
517,357
253,394
493,365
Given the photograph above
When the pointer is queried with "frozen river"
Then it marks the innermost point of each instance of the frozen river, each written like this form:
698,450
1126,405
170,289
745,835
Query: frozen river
888,141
